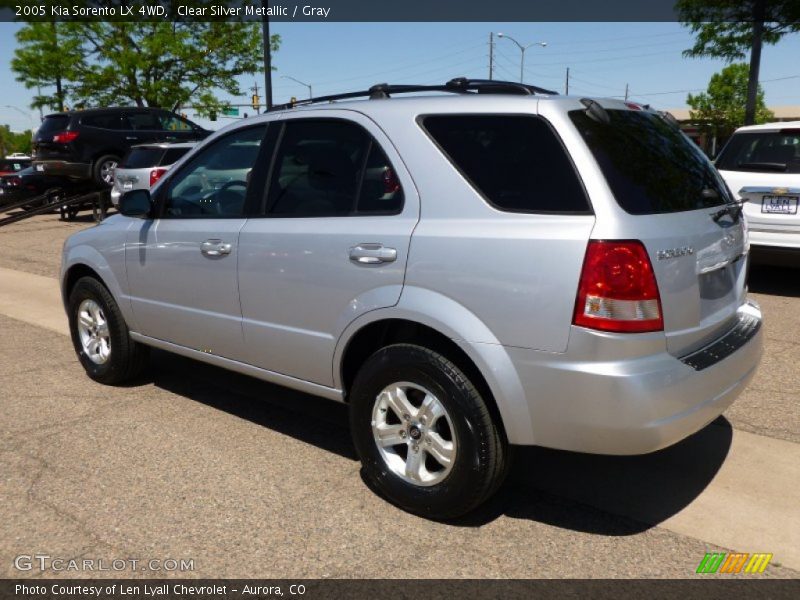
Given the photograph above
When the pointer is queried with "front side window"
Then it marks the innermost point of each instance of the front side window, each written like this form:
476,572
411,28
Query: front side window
328,168
170,122
214,183
515,162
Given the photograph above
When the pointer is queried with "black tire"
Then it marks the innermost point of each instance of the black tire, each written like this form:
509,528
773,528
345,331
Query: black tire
53,197
482,452
99,166
127,358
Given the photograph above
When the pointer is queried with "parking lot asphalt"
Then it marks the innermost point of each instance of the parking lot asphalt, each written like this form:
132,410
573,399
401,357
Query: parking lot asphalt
250,479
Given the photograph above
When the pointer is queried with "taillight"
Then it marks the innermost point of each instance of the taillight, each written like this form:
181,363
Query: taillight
618,290
14,181
390,182
65,137
156,174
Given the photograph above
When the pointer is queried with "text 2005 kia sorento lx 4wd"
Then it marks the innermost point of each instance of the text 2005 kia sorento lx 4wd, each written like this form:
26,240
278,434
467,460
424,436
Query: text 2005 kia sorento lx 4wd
468,271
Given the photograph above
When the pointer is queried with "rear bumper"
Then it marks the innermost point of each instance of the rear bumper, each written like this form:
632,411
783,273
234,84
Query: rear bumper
628,404
62,168
780,248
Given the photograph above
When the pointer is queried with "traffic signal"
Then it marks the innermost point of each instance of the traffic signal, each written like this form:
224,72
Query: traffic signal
256,101
212,116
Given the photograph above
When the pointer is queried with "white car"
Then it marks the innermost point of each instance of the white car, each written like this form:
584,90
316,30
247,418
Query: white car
761,165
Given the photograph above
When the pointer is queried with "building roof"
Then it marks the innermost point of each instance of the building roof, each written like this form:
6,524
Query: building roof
782,113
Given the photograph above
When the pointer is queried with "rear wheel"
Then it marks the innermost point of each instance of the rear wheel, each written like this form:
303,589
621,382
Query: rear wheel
103,169
425,436
100,336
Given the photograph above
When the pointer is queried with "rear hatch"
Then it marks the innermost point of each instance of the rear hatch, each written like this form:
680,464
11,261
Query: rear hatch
134,169
144,165
766,164
46,140
677,205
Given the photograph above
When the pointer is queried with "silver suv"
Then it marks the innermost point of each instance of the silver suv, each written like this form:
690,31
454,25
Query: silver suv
483,266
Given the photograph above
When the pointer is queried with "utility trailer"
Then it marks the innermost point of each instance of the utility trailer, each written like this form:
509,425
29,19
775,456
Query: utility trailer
68,204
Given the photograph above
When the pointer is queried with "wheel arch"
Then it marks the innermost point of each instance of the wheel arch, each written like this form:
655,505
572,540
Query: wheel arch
84,260
488,365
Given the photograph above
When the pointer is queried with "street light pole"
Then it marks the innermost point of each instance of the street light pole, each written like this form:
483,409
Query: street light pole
522,51
310,91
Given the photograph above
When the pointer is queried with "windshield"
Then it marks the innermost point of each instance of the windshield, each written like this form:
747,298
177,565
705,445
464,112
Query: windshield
777,151
650,166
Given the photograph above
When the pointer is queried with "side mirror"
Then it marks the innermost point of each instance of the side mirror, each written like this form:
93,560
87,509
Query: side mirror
135,203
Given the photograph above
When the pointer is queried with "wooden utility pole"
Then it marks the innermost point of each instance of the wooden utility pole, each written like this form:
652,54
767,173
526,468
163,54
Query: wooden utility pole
759,14
491,54
566,84
626,91
267,56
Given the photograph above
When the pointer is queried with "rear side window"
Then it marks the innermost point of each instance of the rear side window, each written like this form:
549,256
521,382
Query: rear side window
650,166
769,151
173,155
142,158
146,121
111,121
516,162
14,165
53,124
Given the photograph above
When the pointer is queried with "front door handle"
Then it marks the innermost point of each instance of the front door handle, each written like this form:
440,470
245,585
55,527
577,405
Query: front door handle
372,254
215,248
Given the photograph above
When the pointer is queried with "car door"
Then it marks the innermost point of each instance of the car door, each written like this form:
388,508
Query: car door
143,126
330,244
182,265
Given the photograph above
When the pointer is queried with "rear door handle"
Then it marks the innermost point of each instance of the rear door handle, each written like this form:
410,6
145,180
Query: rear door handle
131,137
372,254
215,248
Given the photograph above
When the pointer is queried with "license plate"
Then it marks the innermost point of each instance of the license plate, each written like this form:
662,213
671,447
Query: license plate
127,185
779,205
40,167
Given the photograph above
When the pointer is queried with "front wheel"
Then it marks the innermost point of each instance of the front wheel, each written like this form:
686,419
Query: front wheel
100,336
425,436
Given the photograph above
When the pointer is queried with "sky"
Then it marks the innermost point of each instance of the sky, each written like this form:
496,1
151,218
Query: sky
602,57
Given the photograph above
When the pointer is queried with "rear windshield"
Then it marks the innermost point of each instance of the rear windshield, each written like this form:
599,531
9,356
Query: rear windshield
53,124
13,164
516,162
142,158
650,166
768,151
172,155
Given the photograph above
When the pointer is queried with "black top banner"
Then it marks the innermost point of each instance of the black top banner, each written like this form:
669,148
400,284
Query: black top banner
349,10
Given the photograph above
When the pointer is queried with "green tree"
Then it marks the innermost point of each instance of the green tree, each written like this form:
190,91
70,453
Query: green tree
158,63
11,142
44,59
721,109
729,28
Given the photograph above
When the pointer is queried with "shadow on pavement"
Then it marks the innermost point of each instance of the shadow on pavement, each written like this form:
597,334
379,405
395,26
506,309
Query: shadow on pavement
641,491
607,495
773,280
309,419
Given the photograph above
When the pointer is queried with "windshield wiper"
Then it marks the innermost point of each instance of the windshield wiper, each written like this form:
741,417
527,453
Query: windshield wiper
770,166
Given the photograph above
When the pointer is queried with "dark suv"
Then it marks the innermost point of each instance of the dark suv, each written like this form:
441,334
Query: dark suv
88,144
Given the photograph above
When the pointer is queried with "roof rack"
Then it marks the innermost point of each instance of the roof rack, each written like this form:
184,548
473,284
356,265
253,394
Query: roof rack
459,85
